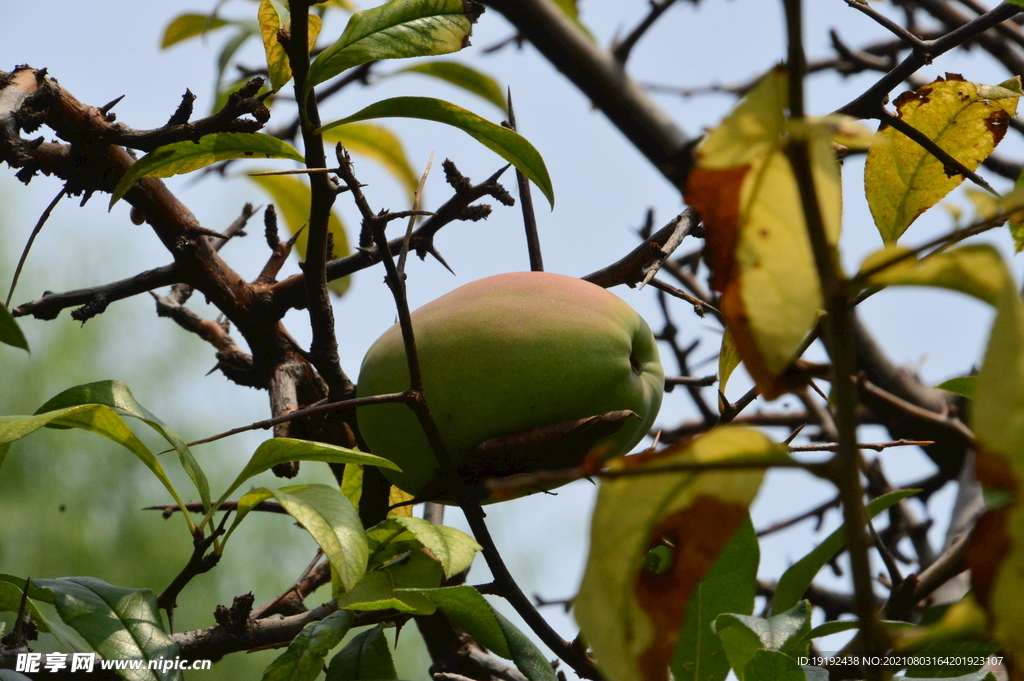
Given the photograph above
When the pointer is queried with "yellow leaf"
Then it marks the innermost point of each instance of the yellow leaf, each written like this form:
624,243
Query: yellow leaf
630,615
757,244
273,17
967,120
728,360
292,199
381,145
397,496
976,270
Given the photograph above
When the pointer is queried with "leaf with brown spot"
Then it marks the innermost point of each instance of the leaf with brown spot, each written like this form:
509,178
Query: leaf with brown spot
967,120
631,616
758,247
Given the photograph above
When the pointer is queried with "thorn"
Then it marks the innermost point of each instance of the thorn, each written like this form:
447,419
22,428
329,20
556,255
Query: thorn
215,367
792,436
110,105
432,250
497,175
291,242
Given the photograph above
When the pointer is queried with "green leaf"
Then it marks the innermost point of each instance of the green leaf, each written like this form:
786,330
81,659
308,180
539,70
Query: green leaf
366,656
468,610
453,548
186,156
396,30
34,592
527,657
769,665
329,517
119,623
10,333
463,76
961,385
185,26
629,615
397,586
304,659
10,601
502,141
118,397
284,449
798,577
380,145
96,418
729,586
968,120
743,635
292,197
272,21
471,612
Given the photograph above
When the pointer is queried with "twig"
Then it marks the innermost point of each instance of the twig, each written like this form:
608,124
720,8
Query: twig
895,576
316,410
699,306
28,245
869,103
875,446
685,223
700,382
816,512
49,306
291,292
888,24
269,506
197,564
670,335
943,420
526,203
621,50
631,268
243,102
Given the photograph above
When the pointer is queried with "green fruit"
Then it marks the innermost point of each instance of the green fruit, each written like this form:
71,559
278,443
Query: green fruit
506,354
